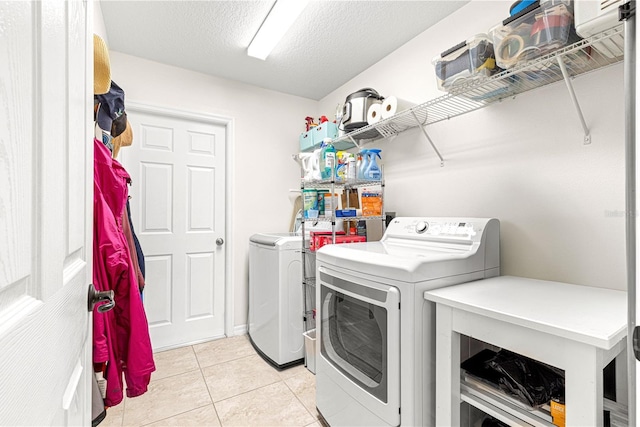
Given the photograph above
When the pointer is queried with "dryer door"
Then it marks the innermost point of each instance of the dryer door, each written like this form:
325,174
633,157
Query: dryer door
360,338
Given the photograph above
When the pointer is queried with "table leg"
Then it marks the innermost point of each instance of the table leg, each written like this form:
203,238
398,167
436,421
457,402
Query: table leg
447,369
583,387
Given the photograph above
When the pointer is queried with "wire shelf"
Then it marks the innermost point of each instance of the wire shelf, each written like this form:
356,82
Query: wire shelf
343,218
584,56
327,183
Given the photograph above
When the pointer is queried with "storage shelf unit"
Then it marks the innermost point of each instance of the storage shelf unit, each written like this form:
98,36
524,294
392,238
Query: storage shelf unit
573,60
517,314
308,277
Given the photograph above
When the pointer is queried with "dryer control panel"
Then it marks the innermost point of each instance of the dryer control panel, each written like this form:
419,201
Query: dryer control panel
469,229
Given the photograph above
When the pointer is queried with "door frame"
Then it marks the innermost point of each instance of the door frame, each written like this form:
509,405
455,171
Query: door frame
228,123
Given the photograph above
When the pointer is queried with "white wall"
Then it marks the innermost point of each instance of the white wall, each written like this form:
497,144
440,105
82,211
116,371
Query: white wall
98,22
266,129
521,161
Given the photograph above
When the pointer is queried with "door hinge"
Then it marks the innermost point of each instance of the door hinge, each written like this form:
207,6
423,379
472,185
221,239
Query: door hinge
398,306
627,10
636,342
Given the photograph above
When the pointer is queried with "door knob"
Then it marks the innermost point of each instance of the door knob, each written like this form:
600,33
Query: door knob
219,241
96,297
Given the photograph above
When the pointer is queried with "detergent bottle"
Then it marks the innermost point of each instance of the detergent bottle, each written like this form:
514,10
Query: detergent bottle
327,159
364,156
372,170
341,168
314,164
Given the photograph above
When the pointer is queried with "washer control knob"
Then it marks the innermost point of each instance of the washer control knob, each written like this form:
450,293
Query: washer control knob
421,227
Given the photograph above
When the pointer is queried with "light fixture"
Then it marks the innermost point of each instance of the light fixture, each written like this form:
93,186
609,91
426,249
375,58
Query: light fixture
281,16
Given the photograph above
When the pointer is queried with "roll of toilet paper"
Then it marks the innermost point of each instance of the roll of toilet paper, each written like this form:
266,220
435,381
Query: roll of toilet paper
373,114
392,105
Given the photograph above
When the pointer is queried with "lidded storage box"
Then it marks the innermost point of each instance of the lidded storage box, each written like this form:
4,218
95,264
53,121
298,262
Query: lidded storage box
471,59
538,29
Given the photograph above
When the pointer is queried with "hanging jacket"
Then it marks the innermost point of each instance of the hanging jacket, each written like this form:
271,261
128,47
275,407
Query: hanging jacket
139,252
121,336
128,234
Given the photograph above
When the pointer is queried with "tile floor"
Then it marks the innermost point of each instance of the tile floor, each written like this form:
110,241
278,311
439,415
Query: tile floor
220,383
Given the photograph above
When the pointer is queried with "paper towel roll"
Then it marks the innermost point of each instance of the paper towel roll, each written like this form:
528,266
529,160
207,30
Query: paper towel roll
392,105
373,114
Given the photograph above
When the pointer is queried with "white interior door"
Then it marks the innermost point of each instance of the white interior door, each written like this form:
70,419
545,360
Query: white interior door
46,162
177,165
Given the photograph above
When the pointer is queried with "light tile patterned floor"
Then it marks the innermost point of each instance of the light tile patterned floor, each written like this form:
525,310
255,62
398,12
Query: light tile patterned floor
220,383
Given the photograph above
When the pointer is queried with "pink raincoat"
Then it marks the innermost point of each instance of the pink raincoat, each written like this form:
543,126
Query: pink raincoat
120,336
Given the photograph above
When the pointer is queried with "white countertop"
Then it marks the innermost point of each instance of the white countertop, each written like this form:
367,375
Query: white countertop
594,316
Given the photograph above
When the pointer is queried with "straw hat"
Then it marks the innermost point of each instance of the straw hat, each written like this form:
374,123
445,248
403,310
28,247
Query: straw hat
101,67
125,139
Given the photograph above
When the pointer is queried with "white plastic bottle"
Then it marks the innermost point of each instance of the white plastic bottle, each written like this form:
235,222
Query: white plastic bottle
351,168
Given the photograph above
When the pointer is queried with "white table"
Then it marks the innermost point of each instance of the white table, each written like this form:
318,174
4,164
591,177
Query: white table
576,328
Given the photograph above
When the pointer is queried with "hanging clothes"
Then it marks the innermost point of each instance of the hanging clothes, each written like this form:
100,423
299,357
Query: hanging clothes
137,242
128,234
121,336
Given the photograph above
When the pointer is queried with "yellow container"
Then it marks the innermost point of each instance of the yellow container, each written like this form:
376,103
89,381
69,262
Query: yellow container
558,413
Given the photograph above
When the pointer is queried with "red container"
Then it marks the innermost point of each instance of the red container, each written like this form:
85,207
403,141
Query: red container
319,237
322,240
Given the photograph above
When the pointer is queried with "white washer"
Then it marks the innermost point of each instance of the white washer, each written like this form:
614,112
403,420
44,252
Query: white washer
375,357
275,298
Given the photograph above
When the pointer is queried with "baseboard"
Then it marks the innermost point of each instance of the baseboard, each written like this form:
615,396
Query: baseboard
240,330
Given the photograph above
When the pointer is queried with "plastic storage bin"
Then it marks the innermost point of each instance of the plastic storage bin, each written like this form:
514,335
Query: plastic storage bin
324,130
306,141
320,238
471,59
540,28
310,350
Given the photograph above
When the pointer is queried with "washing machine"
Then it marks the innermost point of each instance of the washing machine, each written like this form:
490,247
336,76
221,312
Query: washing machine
275,298
375,350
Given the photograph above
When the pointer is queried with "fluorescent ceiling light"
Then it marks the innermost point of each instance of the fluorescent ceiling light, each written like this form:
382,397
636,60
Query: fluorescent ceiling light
282,15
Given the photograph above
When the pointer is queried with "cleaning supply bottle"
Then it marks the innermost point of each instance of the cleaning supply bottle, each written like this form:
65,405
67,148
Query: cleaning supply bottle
315,165
328,159
364,155
372,171
341,168
351,168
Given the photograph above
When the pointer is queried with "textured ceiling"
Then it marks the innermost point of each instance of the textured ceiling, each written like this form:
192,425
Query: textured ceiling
330,43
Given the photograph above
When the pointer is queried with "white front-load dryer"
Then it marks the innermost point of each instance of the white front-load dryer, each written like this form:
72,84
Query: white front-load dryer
375,348
275,298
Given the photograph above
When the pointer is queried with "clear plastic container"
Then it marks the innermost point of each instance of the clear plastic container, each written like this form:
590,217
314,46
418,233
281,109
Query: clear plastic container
471,59
537,30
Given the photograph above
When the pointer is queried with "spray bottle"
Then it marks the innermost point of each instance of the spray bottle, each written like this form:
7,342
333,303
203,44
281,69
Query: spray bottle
341,168
372,170
364,155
